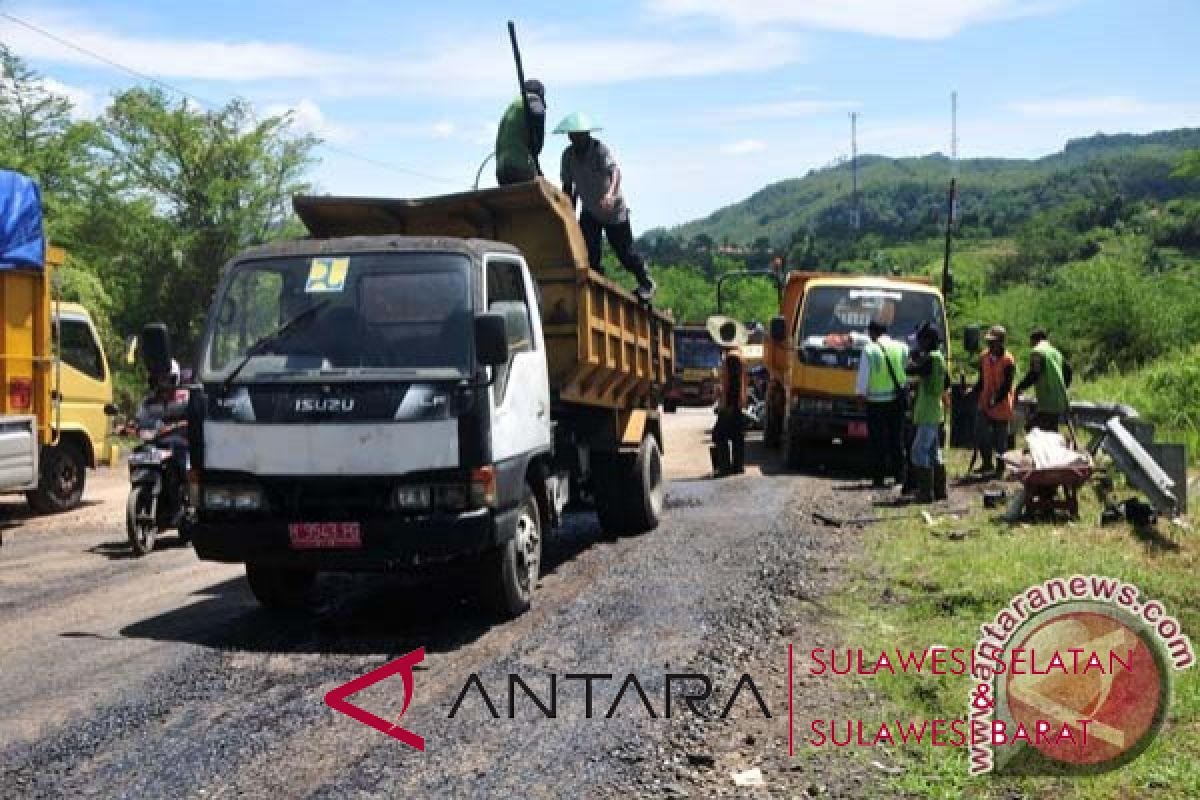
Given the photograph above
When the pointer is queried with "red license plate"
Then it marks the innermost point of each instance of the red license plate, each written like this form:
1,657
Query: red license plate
857,430
325,535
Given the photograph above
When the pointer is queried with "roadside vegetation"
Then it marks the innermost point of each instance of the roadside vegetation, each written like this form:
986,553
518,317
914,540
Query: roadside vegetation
919,585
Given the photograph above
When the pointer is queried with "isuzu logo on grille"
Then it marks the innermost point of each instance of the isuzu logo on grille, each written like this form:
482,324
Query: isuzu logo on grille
320,405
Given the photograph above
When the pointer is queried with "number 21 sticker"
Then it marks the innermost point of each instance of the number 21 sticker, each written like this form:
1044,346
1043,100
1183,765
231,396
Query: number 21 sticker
327,275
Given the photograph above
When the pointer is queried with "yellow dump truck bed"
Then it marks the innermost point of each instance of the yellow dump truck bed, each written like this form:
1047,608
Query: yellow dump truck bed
604,347
25,357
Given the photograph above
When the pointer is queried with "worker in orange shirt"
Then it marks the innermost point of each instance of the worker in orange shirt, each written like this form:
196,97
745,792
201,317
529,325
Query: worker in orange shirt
997,376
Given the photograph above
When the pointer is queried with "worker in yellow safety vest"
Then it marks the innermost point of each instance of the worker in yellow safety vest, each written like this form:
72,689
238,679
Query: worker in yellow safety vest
883,384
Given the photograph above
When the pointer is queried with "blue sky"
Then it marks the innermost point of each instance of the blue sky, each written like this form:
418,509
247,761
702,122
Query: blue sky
703,101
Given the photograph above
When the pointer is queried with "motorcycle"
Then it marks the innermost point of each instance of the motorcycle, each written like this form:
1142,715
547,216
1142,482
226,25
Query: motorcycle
158,491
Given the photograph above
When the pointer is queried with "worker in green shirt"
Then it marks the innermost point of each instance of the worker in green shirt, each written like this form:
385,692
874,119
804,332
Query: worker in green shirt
929,414
1049,375
520,137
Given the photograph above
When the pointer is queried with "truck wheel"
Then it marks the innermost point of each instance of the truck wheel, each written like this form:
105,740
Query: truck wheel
772,428
281,588
643,496
607,489
61,479
512,570
797,453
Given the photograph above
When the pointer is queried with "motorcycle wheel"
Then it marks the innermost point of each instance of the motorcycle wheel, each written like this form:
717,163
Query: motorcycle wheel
139,520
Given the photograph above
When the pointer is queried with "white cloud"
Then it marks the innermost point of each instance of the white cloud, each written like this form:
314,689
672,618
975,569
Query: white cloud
463,67
744,147
170,57
899,19
307,117
1108,106
443,129
792,109
85,104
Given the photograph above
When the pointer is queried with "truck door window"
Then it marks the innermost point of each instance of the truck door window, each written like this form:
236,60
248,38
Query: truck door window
506,295
80,348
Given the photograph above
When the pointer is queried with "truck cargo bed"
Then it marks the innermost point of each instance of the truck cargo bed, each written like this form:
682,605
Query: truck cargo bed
605,348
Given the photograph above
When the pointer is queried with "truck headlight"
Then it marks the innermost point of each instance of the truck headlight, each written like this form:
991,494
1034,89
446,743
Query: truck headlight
218,499
236,498
411,498
247,500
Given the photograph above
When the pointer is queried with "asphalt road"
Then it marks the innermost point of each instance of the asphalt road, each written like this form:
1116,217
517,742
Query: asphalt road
160,676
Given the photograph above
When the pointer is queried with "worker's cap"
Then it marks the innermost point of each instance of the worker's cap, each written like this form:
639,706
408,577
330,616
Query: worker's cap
535,86
996,333
577,122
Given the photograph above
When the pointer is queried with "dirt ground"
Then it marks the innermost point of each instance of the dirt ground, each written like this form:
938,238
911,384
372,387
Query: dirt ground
160,676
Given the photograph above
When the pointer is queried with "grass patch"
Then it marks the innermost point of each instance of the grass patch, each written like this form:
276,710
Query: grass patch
913,589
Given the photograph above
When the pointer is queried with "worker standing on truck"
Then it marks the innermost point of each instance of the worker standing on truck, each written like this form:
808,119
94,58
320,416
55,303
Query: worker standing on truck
729,434
591,174
929,363
882,382
520,136
994,389
1049,375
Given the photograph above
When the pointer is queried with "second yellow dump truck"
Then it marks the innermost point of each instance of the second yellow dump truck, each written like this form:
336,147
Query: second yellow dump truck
57,391
814,349
423,382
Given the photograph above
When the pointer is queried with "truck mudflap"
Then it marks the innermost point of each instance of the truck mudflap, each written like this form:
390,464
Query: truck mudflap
386,544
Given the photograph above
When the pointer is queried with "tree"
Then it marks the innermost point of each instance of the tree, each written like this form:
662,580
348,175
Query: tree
37,135
191,188
1189,165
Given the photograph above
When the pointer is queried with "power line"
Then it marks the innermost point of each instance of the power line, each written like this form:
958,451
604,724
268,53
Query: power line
205,102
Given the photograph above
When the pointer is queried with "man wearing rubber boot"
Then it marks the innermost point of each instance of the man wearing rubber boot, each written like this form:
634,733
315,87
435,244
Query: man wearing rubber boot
729,434
929,414
994,391
883,383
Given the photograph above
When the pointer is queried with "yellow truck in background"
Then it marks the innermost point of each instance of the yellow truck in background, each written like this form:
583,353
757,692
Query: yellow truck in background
697,369
57,389
815,345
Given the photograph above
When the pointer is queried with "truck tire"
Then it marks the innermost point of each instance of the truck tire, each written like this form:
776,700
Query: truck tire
644,493
61,479
511,572
772,428
798,455
607,488
281,588
629,489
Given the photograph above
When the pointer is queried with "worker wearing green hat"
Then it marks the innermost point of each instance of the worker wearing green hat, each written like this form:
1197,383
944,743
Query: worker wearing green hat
590,174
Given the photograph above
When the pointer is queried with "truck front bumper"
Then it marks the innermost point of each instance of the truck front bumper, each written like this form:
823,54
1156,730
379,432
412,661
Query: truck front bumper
388,544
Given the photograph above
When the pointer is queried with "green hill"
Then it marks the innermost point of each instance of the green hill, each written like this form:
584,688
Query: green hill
905,197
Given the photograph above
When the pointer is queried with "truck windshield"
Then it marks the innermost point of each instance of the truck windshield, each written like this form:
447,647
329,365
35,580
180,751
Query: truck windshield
845,311
696,350
368,313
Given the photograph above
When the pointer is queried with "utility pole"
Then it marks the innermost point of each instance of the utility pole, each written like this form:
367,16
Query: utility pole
952,220
854,164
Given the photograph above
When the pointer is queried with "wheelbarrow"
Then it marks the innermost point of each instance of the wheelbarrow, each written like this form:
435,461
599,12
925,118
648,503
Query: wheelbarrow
1041,487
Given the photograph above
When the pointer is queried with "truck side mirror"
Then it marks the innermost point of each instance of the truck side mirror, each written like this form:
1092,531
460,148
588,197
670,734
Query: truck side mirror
491,339
778,329
971,339
155,347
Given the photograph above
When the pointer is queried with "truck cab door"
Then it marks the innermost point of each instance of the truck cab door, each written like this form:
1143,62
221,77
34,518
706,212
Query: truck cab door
521,393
